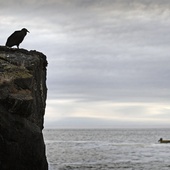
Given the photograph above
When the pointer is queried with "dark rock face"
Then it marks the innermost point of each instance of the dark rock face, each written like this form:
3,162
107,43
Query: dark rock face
22,106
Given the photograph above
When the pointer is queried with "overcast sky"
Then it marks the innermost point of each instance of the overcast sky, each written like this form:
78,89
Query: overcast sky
109,60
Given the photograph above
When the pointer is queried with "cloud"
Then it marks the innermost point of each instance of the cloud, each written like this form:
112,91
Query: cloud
98,51
73,114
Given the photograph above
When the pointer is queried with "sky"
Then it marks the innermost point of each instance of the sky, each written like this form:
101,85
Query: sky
108,60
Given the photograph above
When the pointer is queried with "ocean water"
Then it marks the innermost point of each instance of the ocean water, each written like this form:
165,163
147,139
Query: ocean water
107,149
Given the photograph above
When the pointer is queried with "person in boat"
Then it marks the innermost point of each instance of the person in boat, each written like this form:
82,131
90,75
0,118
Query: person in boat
163,141
160,140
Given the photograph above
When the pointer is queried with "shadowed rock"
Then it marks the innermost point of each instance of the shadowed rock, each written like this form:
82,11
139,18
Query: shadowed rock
22,107
16,38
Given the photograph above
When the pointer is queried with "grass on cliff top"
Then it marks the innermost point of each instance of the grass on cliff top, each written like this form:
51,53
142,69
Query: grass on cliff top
11,72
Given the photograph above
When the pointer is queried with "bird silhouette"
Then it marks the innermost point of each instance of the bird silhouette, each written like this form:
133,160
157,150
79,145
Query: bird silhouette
16,38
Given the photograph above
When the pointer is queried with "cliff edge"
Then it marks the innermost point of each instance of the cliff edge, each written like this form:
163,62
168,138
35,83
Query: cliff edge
22,107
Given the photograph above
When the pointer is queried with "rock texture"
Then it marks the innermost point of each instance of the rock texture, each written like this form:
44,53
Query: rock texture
22,106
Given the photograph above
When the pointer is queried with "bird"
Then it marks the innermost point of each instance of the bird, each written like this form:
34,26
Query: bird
16,38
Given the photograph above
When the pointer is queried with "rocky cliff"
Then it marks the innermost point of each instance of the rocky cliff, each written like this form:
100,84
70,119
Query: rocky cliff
22,106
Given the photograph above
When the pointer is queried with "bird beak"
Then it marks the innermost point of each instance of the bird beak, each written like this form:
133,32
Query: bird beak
28,31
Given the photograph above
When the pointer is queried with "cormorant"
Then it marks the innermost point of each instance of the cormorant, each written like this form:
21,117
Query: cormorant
16,38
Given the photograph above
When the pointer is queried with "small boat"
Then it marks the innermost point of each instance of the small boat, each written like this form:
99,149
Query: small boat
163,141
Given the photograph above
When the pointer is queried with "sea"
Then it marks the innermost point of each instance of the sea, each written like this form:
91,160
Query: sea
107,149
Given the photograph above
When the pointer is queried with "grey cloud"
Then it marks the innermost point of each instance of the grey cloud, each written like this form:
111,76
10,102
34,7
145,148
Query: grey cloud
99,49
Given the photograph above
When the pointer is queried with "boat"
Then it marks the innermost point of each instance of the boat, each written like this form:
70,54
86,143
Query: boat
163,141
